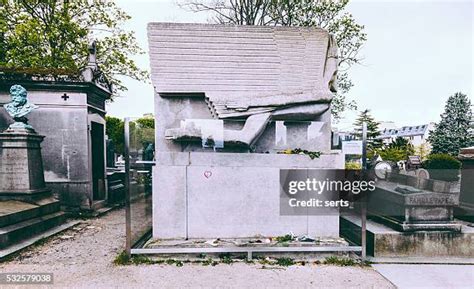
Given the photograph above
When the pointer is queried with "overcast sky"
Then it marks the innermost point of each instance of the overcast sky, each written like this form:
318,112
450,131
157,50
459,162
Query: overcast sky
417,54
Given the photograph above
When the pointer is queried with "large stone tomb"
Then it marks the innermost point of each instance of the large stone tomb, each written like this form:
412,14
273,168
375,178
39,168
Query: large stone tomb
227,100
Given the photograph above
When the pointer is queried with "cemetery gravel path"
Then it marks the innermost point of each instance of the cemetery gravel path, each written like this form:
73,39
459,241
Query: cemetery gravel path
82,257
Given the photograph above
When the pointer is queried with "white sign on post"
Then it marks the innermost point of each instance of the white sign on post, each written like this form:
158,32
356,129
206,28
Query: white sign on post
353,147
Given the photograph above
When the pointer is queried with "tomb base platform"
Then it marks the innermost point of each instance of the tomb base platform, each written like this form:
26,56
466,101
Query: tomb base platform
205,250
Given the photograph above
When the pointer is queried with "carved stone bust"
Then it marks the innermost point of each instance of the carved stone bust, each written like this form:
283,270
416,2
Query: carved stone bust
19,107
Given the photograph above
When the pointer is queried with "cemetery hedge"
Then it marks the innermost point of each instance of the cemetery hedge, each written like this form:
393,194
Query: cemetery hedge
442,167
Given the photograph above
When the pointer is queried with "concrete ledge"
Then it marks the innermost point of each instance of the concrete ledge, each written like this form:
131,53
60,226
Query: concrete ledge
333,160
384,242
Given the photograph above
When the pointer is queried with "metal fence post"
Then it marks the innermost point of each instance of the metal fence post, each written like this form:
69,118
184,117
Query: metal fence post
128,220
363,208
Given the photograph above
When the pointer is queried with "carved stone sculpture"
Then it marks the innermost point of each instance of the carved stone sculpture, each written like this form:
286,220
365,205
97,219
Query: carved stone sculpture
19,107
256,74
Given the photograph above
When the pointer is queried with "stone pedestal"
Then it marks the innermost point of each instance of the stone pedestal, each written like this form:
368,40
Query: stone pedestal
465,210
21,166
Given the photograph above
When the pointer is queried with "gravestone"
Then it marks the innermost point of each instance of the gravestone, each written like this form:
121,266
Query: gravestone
228,99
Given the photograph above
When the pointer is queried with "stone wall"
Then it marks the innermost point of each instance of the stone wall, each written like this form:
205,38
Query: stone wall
228,195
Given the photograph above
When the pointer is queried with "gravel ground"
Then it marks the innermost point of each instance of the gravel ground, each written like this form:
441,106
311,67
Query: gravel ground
82,257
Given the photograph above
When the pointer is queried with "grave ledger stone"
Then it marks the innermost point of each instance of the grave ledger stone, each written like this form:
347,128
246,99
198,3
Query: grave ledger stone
228,99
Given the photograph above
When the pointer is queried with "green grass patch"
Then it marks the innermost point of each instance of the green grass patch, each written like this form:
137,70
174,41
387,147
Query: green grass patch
122,259
284,261
284,239
178,263
226,258
140,259
209,261
340,261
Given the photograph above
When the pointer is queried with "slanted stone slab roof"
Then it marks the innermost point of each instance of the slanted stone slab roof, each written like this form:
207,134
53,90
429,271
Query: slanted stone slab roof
235,59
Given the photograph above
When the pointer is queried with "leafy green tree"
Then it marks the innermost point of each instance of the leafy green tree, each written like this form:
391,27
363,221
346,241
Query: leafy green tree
393,154
144,129
399,149
404,145
452,132
423,150
3,28
401,142
146,122
326,14
373,144
114,129
56,34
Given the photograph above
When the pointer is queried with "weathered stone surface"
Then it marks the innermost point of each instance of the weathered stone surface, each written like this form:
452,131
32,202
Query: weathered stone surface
21,168
383,241
255,81
16,211
422,183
